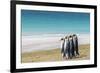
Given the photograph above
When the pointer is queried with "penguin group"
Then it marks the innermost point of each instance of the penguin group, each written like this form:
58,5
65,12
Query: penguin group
69,47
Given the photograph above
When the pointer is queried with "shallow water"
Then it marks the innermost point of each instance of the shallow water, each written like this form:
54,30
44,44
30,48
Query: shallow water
46,42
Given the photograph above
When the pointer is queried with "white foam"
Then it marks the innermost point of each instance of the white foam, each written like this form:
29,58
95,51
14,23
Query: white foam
48,41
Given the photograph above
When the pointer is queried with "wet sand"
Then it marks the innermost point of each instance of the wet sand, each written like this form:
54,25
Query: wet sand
53,55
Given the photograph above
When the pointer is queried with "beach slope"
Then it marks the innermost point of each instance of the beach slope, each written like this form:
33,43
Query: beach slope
53,55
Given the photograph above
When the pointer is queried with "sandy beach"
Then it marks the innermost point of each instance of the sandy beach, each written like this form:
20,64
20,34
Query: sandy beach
53,55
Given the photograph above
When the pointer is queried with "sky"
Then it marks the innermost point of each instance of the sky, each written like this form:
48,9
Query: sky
35,21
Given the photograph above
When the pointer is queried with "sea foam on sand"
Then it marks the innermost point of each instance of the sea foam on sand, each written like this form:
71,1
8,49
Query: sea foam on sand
48,41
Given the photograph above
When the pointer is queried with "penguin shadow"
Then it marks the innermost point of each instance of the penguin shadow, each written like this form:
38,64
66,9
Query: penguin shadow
78,57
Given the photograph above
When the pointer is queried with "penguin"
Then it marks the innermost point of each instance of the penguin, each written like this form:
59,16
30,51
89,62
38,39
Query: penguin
75,40
62,47
67,47
72,53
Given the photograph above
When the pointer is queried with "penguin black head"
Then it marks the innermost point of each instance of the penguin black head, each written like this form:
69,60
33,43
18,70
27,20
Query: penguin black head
74,34
66,37
70,36
62,39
